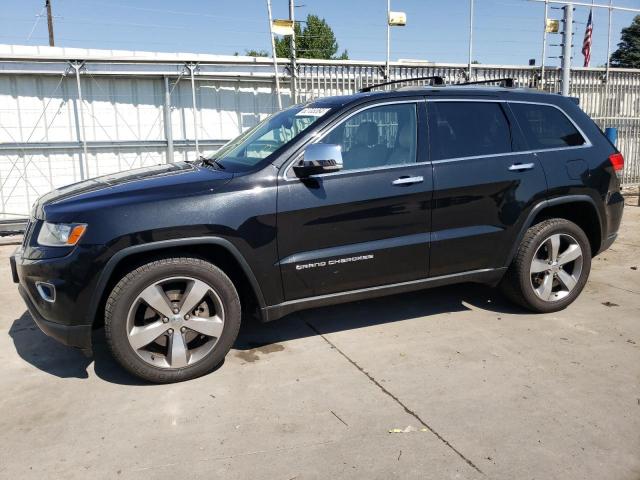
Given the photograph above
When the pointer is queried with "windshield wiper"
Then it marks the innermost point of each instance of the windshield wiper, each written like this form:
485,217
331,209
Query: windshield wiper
212,162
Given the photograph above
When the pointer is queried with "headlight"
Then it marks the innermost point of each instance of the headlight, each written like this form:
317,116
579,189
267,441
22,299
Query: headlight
60,234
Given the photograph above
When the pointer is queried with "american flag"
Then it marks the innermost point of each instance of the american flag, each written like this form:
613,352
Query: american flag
586,44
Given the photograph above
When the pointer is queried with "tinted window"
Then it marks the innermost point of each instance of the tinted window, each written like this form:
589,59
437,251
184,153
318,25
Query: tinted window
467,129
376,137
546,127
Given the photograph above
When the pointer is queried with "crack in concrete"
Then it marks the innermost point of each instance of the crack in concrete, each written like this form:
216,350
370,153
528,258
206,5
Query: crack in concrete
396,399
336,415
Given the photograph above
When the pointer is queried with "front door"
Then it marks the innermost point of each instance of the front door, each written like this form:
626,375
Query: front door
368,224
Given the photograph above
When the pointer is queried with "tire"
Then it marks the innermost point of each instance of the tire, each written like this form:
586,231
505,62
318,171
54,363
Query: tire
538,283
196,313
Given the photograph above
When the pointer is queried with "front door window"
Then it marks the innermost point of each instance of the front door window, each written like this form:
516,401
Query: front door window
377,137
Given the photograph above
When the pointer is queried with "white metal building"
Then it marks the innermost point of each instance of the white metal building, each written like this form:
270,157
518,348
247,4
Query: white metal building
71,114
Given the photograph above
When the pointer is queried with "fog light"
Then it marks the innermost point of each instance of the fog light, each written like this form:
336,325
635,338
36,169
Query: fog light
47,291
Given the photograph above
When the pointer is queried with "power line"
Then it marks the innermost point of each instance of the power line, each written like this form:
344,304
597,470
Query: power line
172,12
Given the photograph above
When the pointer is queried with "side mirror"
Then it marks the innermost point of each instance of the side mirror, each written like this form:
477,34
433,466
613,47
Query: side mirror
319,158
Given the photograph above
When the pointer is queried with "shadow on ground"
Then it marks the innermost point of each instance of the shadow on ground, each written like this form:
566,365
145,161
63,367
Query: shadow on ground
56,359
367,313
51,357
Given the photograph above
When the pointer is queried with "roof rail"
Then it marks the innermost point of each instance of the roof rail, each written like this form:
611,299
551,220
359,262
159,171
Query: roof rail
507,82
436,80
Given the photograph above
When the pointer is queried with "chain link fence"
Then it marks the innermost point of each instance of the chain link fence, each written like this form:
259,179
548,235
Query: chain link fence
62,121
613,103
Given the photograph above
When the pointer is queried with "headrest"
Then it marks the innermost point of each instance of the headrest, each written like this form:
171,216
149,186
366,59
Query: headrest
405,137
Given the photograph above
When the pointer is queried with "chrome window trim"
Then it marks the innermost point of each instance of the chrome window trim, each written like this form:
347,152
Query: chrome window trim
587,143
506,154
319,137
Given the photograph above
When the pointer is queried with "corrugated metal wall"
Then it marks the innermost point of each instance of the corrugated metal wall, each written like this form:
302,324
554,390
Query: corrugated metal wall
122,118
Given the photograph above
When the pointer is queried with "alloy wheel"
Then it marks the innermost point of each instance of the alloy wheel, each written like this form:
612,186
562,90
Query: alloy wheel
556,267
175,322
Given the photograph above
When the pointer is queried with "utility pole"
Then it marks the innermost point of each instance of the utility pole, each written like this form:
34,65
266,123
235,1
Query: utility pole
567,44
275,59
50,22
470,38
294,67
609,49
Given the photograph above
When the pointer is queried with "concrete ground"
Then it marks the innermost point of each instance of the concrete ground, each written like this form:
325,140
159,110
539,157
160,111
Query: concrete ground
478,388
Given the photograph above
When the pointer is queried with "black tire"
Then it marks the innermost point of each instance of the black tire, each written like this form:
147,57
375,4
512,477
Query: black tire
517,284
127,291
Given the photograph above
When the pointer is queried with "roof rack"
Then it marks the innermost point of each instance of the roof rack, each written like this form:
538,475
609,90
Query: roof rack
507,82
436,80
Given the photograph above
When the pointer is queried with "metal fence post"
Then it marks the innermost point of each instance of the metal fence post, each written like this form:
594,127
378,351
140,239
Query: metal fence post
168,131
544,45
192,67
84,160
470,66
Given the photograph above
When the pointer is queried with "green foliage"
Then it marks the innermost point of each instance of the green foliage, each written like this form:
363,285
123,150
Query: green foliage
256,53
283,45
628,53
344,55
315,40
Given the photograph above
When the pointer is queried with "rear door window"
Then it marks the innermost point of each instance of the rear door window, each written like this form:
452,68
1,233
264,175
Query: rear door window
468,129
546,127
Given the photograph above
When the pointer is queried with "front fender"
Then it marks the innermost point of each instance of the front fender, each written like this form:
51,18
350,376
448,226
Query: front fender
121,255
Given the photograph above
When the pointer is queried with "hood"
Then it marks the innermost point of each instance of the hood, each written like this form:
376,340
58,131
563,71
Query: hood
160,182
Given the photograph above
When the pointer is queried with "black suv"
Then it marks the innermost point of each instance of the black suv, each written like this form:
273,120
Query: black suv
340,199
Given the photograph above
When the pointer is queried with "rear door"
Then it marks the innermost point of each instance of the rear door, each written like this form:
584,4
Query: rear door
484,180
559,144
368,224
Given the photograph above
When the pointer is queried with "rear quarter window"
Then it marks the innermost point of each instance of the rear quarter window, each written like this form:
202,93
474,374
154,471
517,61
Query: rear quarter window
546,127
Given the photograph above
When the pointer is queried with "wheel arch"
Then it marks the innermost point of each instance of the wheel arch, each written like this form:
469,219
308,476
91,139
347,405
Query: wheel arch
586,216
218,251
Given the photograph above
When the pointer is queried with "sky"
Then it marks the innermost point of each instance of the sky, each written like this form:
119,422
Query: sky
505,31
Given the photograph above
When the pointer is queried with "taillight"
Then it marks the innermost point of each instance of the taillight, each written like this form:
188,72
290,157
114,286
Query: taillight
617,161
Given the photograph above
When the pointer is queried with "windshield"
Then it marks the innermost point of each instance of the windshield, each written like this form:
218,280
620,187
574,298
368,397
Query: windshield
247,150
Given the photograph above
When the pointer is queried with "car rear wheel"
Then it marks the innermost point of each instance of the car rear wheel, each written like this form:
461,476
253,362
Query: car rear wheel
172,319
550,268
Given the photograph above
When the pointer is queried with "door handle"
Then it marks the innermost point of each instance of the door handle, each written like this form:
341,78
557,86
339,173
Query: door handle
517,167
407,180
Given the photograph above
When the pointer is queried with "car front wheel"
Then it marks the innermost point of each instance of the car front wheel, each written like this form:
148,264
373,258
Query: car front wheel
172,319
550,268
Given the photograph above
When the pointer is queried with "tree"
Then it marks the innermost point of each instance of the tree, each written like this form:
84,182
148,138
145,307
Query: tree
283,45
628,53
256,53
316,40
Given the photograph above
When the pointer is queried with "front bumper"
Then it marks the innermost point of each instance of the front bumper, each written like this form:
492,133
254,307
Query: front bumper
78,336
66,317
